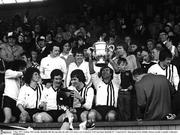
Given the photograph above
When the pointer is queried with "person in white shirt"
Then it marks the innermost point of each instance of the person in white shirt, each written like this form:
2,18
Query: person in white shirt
51,62
66,53
79,63
12,85
171,47
30,95
107,86
164,67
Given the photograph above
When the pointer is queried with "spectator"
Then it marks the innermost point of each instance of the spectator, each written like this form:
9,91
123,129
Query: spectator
155,55
133,48
33,58
150,43
159,46
66,54
125,90
155,26
59,30
163,37
79,64
37,31
43,49
146,60
80,43
26,58
128,41
10,51
176,31
121,52
139,30
28,43
172,48
51,62
49,38
58,38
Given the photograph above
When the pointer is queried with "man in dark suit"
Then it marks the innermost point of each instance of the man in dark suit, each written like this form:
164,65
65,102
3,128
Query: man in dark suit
42,47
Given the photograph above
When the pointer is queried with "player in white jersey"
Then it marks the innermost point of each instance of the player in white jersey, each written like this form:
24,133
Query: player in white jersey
83,95
107,86
30,95
164,67
52,99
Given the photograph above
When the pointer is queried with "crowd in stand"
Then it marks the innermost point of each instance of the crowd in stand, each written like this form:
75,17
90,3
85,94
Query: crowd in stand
47,74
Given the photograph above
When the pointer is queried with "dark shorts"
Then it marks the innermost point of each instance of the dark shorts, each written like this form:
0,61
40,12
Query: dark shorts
104,110
78,112
55,114
32,112
11,103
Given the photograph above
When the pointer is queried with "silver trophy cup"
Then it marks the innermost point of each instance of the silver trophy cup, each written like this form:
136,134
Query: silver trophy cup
100,50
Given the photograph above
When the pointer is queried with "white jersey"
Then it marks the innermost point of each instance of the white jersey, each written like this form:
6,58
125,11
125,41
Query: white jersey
107,94
29,97
87,93
12,83
84,67
49,96
48,64
170,72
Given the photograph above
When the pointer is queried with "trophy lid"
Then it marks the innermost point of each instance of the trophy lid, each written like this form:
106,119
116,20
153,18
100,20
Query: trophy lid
100,42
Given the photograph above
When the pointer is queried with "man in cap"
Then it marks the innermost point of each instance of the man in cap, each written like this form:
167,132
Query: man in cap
10,51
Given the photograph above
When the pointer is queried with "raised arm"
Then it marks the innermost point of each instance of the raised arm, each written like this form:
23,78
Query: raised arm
13,74
91,66
115,66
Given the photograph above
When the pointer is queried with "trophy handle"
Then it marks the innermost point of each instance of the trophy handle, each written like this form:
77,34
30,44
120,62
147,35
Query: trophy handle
111,47
90,50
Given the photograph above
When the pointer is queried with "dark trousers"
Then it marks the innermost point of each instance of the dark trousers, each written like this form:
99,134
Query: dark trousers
133,106
124,105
